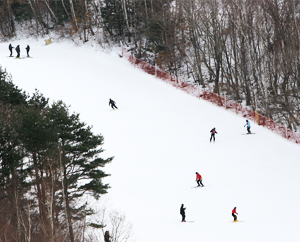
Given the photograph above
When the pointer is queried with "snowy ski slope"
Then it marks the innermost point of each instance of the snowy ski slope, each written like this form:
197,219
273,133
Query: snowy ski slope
160,138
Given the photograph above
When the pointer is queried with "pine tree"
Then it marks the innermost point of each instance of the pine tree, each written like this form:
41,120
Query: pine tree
13,173
79,162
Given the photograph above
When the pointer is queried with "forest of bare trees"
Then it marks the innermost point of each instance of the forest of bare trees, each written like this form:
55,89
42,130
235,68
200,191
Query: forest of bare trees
246,50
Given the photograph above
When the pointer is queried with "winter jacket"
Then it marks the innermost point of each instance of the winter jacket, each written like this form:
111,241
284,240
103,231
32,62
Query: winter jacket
247,124
234,211
213,131
111,102
182,210
198,177
18,48
106,237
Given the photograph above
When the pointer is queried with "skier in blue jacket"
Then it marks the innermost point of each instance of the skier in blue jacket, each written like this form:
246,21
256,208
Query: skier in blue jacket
248,126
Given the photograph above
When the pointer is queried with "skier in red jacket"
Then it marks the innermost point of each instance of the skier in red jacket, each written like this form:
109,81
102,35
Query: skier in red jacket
199,180
234,213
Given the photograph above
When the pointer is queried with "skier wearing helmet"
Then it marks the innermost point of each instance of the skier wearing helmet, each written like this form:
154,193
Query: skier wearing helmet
234,213
199,179
182,212
248,126
213,132
112,103
10,49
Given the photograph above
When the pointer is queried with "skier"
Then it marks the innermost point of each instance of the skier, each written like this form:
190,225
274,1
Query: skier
248,126
112,103
18,51
234,213
10,49
106,236
199,179
213,132
27,50
182,212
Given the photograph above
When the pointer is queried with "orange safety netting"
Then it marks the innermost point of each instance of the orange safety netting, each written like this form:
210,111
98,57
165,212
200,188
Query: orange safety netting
214,98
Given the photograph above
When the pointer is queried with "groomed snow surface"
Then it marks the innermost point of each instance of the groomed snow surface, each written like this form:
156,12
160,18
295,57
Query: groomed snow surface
160,138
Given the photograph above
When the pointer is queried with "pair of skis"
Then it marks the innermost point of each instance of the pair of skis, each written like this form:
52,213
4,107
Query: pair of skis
25,57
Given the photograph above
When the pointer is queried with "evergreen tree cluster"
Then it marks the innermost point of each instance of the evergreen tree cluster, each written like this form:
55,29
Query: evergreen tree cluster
49,164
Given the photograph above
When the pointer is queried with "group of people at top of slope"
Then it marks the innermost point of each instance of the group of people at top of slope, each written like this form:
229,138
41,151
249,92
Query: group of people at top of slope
10,47
214,132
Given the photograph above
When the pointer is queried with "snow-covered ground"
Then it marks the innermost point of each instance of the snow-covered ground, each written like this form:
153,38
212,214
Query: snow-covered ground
160,138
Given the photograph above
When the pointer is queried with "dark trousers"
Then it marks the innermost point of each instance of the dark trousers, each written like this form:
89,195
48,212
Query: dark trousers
10,52
248,129
234,216
18,54
113,106
183,217
200,182
212,137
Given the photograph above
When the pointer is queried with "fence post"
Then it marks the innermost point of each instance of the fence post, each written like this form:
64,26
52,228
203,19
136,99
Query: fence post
257,117
236,108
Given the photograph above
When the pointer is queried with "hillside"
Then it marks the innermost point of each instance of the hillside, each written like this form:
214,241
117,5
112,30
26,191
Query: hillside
160,138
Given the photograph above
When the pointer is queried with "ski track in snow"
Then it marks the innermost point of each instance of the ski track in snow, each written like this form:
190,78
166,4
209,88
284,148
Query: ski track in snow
160,138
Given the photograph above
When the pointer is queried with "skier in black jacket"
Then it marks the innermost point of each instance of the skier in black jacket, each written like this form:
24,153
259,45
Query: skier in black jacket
112,103
106,236
213,132
18,51
27,50
182,212
10,49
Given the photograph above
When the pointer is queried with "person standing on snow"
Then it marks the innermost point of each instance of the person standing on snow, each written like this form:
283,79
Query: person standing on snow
18,51
248,126
213,132
234,213
27,50
112,103
199,180
10,49
182,212
106,236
